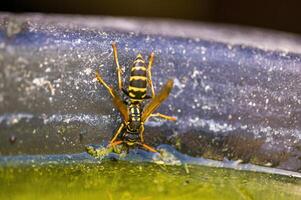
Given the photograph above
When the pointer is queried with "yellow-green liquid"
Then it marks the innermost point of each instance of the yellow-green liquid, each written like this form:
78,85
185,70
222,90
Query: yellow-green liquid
126,180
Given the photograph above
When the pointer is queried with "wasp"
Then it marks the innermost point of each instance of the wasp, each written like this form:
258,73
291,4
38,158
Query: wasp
133,110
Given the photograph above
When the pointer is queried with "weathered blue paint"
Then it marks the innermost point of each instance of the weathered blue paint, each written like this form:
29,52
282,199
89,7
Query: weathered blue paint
232,99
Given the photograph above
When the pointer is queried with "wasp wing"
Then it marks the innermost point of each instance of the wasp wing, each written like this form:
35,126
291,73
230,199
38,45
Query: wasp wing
116,98
119,104
158,99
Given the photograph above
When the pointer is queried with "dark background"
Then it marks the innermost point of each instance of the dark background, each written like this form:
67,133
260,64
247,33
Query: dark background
282,15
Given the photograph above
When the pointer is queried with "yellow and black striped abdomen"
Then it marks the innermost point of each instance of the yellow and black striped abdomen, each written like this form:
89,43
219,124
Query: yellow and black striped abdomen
138,79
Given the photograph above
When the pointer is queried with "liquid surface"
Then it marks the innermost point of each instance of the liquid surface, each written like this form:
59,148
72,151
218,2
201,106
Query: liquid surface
125,180
136,176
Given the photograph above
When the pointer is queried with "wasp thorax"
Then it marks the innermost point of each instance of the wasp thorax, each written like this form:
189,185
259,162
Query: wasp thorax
134,121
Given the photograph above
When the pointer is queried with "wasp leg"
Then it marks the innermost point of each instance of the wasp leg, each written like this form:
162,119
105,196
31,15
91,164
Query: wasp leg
116,148
151,149
119,70
116,134
149,70
101,81
141,133
115,143
163,116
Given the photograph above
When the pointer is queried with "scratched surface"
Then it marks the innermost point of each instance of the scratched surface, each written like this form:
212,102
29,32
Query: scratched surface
237,92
